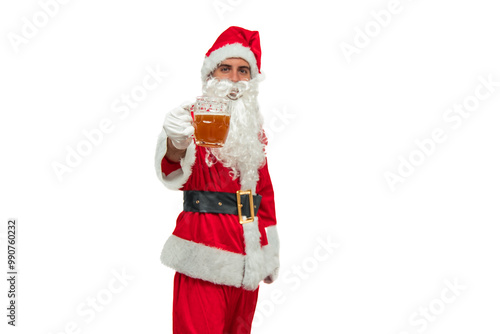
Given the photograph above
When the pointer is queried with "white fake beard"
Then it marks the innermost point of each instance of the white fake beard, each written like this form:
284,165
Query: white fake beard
243,151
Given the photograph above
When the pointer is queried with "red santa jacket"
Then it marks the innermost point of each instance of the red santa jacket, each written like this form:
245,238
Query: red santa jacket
216,247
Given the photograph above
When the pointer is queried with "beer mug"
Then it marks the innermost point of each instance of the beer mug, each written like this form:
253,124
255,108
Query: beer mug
211,121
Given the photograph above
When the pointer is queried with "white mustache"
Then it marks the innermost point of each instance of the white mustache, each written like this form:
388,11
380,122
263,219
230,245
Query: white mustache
225,88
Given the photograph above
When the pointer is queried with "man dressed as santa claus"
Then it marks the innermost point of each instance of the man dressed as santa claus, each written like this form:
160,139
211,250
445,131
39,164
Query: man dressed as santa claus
220,253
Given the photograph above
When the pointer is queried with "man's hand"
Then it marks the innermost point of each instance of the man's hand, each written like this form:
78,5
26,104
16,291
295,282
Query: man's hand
179,128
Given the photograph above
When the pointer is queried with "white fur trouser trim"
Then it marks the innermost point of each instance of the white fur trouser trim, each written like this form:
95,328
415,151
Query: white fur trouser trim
223,267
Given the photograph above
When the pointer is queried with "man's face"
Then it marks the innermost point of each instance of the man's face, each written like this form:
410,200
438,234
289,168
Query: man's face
234,69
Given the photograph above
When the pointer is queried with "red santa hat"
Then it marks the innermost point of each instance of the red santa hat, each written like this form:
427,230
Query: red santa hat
235,42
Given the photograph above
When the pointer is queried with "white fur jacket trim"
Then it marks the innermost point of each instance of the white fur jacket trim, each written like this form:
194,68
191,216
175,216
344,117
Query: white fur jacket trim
223,267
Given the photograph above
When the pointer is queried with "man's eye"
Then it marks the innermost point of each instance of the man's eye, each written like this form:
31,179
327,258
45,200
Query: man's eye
224,69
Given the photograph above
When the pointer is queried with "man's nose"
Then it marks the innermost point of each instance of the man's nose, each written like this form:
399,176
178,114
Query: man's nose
234,76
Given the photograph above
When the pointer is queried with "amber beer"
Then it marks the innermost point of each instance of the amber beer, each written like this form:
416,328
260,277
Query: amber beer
211,121
210,130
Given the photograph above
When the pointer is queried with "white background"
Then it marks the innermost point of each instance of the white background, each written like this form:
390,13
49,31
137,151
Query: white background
336,127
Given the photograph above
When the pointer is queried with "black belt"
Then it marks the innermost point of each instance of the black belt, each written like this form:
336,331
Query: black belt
239,203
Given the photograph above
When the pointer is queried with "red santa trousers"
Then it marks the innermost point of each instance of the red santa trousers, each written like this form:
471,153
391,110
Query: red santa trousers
202,307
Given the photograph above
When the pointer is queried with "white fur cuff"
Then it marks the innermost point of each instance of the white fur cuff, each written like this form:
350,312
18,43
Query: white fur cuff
176,179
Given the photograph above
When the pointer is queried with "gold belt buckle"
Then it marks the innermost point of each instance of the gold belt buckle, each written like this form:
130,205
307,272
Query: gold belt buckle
244,219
